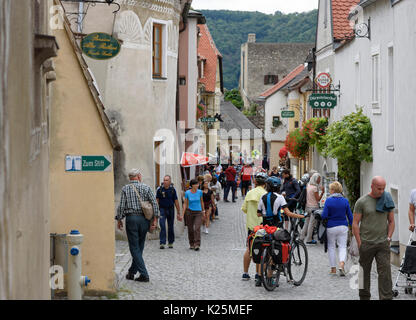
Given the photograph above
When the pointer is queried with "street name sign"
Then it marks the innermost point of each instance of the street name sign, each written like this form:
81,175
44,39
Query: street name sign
322,100
100,46
207,119
88,163
323,80
288,114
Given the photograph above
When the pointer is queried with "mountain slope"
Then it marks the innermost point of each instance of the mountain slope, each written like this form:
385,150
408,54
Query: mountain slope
229,30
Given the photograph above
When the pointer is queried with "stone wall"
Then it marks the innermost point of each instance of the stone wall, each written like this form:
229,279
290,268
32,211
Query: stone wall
271,59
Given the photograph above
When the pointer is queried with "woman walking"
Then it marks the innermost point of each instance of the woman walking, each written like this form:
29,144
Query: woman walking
338,212
215,187
209,205
312,203
193,208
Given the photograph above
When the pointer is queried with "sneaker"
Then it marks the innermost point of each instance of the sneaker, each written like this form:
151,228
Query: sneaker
206,230
142,278
130,276
191,248
311,242
170,245
196,248
162,246
258,281
245,277
341,272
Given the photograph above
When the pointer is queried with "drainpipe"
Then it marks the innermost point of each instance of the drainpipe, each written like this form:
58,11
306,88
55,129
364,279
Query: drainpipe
76,282
80,16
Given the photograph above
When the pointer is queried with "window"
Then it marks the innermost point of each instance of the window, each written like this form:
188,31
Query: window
375,80
296,124
157,50
201,64
270,79
276,121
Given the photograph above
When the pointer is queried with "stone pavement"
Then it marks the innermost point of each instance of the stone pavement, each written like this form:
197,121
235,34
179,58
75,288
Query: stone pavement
215,271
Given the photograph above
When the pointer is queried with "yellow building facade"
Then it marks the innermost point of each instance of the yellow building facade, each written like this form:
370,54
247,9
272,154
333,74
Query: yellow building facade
82,200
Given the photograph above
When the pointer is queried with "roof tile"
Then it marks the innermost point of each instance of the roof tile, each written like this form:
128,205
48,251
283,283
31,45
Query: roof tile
283,82
207,50
340,11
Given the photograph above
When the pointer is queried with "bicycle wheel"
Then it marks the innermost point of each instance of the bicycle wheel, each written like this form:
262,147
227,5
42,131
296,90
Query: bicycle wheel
270,272
298,263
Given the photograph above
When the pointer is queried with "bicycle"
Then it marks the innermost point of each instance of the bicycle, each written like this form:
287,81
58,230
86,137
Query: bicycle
298,259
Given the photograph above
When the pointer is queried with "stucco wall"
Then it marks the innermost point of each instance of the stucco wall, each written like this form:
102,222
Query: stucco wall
24,212
81,200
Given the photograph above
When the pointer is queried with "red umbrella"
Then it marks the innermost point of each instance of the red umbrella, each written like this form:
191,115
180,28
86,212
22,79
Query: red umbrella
283,152
192,159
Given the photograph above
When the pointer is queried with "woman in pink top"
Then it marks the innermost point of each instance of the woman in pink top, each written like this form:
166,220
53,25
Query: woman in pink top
312,203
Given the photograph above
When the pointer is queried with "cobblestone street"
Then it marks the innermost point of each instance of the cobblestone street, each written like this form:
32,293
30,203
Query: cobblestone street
215,271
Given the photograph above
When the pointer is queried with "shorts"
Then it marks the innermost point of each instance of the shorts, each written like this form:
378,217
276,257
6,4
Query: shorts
207,205
246,184
249,238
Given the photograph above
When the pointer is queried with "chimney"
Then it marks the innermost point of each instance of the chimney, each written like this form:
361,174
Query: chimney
251,37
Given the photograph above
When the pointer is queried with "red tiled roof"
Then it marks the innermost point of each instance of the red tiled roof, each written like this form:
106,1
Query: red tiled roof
284,81
340,23
208,50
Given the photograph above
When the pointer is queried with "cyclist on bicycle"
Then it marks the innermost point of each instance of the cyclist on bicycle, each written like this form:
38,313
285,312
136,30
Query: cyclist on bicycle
272,205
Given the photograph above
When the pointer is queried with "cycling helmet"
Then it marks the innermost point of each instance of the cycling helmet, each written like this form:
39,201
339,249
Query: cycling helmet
261,177
305,178
274,182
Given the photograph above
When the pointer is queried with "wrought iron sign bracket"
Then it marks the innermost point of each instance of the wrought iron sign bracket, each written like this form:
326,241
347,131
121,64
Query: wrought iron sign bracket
94,2
361,30
332,89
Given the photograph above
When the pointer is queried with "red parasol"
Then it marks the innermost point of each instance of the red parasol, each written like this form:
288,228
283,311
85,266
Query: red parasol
192,159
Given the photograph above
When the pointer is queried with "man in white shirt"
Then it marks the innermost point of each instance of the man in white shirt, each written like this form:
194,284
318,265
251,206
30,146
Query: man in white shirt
412,206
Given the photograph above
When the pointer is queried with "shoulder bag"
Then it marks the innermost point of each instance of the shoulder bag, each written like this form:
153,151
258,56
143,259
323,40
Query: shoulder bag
146,206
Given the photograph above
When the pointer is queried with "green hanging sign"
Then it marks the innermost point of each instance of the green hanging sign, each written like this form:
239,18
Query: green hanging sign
288,114
322,100
100,46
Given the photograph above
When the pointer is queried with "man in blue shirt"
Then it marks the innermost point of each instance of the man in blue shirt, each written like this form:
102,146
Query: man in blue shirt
167,198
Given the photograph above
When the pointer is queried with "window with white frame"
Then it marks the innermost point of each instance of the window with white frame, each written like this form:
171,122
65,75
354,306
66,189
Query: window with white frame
357,83
159,50
375,80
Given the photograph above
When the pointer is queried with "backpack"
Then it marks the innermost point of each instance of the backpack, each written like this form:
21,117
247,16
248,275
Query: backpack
302,199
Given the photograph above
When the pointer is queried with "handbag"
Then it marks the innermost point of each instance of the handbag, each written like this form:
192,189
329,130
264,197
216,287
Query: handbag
146,206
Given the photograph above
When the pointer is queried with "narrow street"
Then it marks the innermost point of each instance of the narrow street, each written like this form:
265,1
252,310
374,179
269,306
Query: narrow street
215,271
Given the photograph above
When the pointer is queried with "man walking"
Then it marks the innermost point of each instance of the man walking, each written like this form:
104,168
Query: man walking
373,227
230,175
167,199
250,206
137,225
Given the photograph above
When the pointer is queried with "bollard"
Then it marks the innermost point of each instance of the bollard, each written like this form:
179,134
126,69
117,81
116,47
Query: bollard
76,282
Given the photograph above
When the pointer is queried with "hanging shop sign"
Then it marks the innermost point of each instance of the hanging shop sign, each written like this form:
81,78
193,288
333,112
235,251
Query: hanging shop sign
288,114
100,46
323,80
322,100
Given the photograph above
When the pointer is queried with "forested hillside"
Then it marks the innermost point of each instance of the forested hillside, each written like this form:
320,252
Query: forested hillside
230,29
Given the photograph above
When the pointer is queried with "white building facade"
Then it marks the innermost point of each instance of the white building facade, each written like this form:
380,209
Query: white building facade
377,74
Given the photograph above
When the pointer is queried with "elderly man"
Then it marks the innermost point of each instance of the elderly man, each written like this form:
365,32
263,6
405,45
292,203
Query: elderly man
373,227
137,225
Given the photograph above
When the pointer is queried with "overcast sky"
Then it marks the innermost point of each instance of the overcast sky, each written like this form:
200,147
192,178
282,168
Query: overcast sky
266,6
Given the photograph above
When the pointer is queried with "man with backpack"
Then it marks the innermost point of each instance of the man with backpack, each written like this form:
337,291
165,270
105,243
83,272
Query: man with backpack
272,205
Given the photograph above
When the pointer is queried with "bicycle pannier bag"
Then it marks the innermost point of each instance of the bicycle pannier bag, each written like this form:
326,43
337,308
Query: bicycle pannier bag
280,252
257,249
